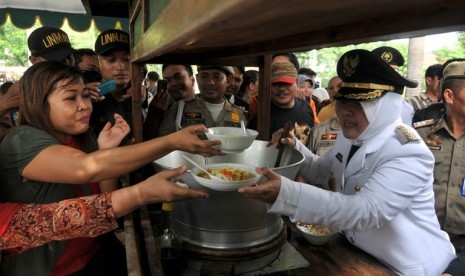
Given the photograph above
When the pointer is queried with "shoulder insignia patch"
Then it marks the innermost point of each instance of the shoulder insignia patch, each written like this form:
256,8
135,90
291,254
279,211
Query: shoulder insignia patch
329,136
339,157
424,123
405,135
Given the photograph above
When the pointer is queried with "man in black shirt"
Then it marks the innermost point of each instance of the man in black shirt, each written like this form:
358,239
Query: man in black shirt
285,106
112,48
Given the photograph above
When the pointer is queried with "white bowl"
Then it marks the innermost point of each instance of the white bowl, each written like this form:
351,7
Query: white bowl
316,234
226,185
232,139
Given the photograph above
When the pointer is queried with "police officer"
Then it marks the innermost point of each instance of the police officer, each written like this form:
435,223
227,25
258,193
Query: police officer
210,109
436,110
446,140
323,136
377,178
394,58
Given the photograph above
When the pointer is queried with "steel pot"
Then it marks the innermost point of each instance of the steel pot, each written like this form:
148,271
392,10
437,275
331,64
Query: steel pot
229,220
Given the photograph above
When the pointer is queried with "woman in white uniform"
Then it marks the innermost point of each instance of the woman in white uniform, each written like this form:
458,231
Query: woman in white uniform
377,178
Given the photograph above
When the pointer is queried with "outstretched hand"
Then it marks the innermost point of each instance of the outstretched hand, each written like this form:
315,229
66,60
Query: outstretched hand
267,192
160,188
187,140
111,136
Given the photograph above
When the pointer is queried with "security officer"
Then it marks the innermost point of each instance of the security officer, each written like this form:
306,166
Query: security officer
113,51
323,136
390,55
210,109
436,110
394,58
446,140
377,178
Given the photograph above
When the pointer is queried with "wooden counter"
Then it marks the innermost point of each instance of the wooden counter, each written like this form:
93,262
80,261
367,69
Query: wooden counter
338,257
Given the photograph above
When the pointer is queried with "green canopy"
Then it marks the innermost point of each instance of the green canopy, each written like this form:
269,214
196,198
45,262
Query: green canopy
26,19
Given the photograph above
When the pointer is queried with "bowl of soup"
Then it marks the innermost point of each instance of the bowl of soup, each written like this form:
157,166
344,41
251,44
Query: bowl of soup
315,233
233,139
234,176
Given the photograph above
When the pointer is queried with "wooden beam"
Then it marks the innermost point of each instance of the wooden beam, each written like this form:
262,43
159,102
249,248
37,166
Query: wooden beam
264,98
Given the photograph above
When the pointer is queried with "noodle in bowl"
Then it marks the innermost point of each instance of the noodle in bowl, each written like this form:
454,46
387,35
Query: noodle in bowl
234,175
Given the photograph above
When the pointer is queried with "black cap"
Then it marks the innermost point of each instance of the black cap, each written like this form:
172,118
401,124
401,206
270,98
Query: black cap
365,76
390,55
434,70
110,41
50,43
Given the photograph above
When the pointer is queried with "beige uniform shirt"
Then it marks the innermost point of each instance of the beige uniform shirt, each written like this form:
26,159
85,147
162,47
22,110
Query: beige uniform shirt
323,136
449,172
420,101
195,112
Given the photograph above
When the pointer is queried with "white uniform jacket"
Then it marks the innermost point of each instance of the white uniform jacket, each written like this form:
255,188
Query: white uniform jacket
382,201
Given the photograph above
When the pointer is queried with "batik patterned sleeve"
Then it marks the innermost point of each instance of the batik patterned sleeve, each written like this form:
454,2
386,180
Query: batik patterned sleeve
37,224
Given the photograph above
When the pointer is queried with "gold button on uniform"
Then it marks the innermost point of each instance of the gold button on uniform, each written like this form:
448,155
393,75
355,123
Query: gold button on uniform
357,188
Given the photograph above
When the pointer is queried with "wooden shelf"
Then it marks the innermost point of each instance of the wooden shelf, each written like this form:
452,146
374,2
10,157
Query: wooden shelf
241,30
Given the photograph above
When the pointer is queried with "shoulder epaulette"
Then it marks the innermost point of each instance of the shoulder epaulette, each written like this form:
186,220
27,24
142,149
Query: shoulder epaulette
405,135
424,123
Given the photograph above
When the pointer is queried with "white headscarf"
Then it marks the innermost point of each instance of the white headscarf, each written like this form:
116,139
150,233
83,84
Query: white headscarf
321,94
382,113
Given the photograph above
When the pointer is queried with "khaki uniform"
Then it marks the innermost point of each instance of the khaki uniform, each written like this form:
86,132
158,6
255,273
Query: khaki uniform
449,172
193,112
323,136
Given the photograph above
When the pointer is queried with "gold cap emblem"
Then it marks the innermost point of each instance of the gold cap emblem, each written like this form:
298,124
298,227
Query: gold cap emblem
349,64
387,56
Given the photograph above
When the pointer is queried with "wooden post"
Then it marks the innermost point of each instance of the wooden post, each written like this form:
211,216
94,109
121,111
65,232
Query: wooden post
264,98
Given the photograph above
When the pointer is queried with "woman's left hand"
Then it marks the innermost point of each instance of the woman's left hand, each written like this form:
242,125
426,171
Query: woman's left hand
267,192
111,136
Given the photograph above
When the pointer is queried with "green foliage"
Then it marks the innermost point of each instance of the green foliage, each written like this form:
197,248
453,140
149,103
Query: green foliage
13,42
82,39
455,51
445,53
461,38
324,61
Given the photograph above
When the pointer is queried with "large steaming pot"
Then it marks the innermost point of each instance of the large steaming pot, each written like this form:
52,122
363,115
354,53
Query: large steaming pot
229,220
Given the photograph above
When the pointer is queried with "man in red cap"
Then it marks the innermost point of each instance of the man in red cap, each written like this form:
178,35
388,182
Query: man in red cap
285,106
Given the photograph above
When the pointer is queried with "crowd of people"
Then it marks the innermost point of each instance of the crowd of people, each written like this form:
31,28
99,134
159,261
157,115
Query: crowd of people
388,169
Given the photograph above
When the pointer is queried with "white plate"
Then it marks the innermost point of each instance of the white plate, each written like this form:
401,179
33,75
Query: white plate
226,186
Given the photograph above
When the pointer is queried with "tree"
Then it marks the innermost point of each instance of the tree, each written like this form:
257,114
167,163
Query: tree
13,42
454,51
461,38
324,61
